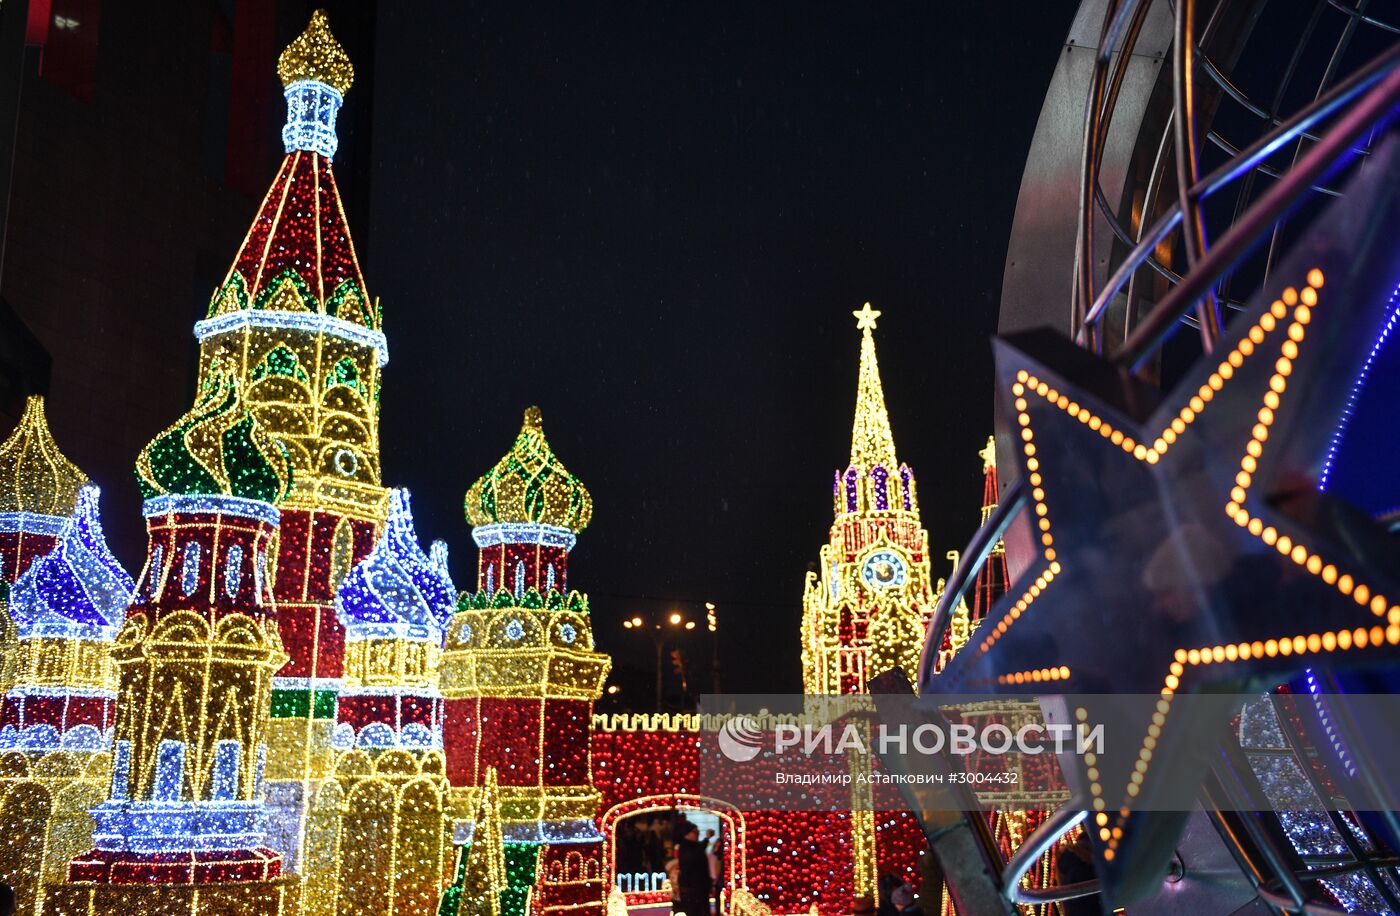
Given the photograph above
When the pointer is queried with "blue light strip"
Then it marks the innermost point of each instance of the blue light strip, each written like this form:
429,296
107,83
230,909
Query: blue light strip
1333,738
32,523
1356,387
208,505
511,533
313,322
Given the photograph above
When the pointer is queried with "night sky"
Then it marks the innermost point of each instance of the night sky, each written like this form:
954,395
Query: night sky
654,223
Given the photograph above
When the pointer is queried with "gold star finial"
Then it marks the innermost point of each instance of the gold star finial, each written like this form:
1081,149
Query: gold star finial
865,317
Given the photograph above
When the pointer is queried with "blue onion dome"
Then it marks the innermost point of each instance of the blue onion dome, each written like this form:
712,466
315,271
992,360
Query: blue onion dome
398,583
217,449
78,588
530,485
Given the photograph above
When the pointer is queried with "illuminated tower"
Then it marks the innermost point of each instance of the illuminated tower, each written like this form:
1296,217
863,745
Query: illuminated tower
395,606
58,711
379,841
866,609
520,676
993,578
195,660
293,320
66,607
38,490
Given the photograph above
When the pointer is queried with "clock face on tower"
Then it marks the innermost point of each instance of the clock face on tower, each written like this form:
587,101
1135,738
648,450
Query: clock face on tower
884,569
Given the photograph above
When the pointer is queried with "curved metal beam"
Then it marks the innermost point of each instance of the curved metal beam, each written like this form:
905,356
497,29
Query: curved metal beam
1061,821
1372,110
974,557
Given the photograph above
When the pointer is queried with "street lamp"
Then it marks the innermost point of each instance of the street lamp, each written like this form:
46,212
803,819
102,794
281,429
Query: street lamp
712,624
659,628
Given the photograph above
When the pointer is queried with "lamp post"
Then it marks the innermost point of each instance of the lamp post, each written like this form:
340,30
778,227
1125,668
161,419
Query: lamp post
659,628
712,623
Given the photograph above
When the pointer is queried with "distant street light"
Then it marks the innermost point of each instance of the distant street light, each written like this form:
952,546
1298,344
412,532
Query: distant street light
658,636
712,623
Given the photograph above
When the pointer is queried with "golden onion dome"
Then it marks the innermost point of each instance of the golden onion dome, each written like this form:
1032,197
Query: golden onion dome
530,485
34,475
316,55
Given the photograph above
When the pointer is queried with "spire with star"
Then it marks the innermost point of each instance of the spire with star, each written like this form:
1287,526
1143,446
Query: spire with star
872,443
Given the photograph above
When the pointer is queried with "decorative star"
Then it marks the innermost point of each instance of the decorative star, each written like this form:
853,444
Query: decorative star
1182,544
865,317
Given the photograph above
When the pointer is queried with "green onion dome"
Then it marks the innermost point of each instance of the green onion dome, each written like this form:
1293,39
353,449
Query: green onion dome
530,486
217,449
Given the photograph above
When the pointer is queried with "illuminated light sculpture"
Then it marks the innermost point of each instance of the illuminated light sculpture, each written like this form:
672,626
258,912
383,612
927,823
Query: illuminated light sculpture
195,660
481,875
67,607
379,841
38,490
395,605
520,676
295,321
58,713
865,610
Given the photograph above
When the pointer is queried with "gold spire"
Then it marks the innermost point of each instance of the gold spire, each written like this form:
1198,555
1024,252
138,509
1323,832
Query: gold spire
34,475
872,442
316,55
484,871
989,455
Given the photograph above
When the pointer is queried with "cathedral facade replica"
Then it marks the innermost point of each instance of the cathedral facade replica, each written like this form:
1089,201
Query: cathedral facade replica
292,709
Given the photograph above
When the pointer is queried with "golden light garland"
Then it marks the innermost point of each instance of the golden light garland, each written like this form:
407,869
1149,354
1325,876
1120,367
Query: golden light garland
867,605
35,477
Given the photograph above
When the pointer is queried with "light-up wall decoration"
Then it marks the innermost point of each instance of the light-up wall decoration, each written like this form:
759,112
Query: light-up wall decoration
194,659
520,676
790,861
294,320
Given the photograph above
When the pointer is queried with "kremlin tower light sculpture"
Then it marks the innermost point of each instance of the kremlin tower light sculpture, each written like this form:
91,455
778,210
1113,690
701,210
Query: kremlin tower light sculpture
865,611
520,677
294,323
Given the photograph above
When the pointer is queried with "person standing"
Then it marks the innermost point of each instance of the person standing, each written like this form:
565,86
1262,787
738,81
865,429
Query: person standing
694,869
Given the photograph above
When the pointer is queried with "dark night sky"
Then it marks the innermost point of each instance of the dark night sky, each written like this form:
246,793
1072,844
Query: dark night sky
654,222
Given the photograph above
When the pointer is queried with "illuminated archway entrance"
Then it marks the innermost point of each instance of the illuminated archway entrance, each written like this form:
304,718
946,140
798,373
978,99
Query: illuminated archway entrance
643,887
